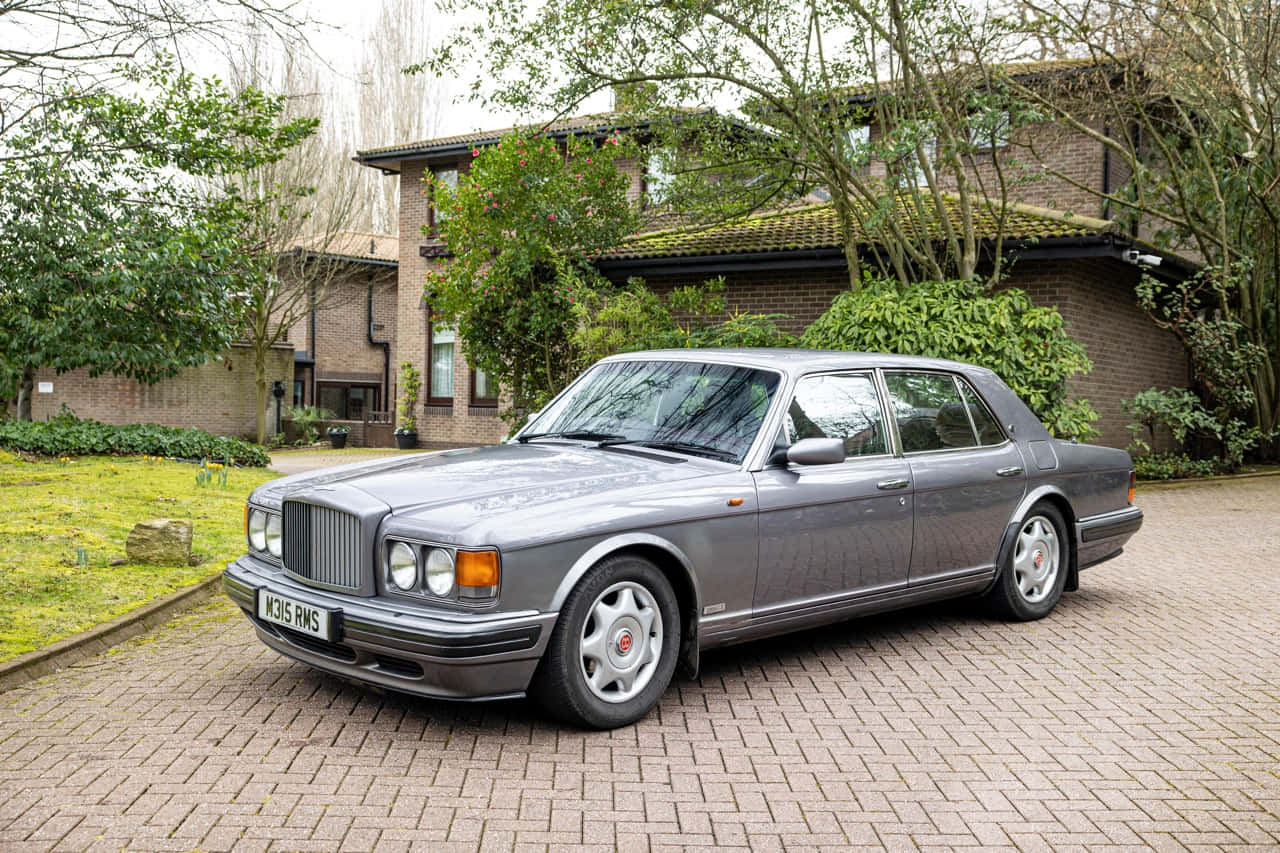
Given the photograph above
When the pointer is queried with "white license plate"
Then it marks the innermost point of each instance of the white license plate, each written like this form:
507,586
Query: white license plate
303,618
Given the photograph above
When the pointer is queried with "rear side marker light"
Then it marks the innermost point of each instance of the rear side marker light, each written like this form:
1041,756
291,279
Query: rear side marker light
1133,485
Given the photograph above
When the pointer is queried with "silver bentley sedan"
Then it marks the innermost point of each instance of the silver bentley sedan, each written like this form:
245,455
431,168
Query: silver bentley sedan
671,502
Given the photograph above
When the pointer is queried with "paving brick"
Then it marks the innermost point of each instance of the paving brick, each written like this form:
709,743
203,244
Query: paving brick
1143,712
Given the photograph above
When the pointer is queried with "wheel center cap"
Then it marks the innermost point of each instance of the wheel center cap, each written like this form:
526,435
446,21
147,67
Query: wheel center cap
1038,559
624,642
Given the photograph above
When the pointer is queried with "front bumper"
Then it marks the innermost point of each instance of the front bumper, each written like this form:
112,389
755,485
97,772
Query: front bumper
397,646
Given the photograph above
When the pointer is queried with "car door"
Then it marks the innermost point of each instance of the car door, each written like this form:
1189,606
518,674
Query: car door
828,531
968,476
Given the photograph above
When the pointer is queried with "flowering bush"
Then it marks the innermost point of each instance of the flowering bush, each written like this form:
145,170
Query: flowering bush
522,225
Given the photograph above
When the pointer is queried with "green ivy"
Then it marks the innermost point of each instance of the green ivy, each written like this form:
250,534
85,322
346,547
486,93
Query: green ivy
1025,345
68,436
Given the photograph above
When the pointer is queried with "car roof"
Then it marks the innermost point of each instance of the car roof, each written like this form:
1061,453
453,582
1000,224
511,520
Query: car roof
794,361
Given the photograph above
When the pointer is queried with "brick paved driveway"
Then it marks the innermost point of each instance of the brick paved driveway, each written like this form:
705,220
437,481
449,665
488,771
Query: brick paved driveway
1145,711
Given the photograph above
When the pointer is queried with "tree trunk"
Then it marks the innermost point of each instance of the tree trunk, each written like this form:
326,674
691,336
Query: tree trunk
25,388
260,383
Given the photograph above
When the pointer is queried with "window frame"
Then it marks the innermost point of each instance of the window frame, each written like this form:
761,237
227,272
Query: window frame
478,402
345,385
958,381
892,446
431,398
433,219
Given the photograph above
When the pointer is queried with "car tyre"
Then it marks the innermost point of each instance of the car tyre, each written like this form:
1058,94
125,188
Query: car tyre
1035,571
614,648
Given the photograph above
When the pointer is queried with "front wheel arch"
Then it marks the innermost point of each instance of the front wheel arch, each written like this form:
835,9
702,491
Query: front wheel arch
673,563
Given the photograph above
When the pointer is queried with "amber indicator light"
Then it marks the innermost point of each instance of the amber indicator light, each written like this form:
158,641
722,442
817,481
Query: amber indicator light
477,568
735,501
1133,484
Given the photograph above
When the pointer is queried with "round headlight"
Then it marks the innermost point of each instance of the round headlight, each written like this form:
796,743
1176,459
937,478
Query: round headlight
274,538
439,571
258,530
403,563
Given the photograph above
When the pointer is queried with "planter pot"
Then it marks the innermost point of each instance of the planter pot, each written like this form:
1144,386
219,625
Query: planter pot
406,440
338,440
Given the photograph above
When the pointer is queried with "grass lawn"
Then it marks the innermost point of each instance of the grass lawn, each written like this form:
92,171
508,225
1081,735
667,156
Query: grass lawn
49,509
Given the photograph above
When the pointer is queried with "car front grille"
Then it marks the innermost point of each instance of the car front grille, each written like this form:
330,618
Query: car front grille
322,544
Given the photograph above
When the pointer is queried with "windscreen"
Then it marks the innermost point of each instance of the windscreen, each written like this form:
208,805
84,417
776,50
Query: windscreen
712,410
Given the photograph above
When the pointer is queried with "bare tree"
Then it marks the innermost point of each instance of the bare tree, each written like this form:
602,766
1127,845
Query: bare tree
47,46
1189,93
308,207
394,107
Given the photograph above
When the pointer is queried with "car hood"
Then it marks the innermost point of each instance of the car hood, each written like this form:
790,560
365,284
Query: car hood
499,478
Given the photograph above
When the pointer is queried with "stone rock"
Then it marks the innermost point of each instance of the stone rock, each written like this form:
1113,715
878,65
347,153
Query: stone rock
160,542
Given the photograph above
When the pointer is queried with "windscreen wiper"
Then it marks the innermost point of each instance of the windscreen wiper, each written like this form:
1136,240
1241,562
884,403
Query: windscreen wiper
691,447
576,434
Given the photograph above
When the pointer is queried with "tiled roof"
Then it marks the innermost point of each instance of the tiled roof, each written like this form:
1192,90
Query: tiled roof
1016,70
358,245
815,227
593,122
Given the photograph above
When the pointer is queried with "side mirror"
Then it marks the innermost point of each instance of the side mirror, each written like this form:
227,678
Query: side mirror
811,451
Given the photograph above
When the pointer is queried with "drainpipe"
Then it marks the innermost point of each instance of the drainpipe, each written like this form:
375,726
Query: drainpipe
314,364
386,352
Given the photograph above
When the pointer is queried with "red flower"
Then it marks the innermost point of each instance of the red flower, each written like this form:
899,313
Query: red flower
552,217
475,152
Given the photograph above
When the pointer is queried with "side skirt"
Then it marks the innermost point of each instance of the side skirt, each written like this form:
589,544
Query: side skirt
866,604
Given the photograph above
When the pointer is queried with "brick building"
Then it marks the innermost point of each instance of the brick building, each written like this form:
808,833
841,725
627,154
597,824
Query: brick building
1068,253
338,356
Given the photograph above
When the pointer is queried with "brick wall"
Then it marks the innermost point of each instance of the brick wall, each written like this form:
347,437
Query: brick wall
341,348
437,426
1095,297
1129,352
218,396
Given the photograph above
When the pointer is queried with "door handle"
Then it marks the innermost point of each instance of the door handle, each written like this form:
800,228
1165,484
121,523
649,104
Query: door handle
892,484
1011,471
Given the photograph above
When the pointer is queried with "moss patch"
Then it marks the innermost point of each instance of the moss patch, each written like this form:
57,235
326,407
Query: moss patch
50,510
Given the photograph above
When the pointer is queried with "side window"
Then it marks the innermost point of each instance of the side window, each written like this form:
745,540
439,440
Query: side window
842,406
929,412
984,422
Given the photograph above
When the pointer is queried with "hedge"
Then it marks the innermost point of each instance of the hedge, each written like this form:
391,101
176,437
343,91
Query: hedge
66,436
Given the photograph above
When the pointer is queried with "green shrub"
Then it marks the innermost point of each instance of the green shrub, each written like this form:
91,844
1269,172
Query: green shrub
636,318
1180,412
1026,345
67,436
307,420
1173,466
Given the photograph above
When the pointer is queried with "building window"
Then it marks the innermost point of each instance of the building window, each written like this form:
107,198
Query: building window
448,178
989,130
347,402
483,390
440,375
299,392
858,140
657,178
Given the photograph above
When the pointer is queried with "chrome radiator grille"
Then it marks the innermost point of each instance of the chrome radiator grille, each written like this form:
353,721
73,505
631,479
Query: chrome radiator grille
322,544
